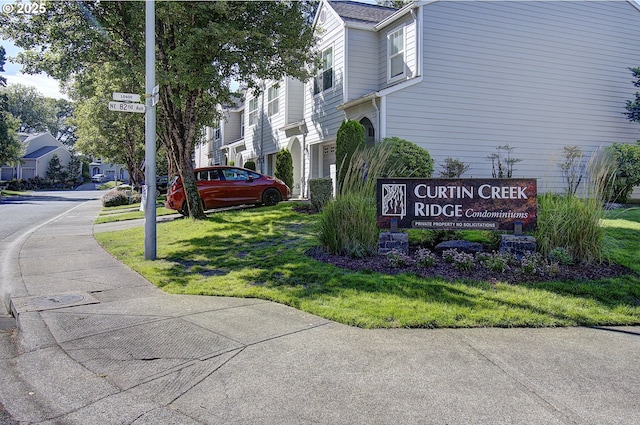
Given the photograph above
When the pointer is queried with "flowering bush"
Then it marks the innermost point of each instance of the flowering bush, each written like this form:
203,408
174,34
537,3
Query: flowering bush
460,260
114,197
494,261
397,259
425,258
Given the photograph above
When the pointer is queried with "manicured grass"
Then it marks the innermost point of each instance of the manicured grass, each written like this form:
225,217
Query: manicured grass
14,193
260,252
128,212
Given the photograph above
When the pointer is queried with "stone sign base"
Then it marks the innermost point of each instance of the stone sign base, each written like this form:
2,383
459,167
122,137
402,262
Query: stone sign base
517,245
389,241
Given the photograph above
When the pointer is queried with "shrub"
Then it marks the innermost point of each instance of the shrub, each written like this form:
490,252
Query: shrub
284,167
502,162
561,255
349,139
321,192
453,168
425,258
114,197
627,173
494,261
532,263
572,168
397,259
460,260
251,165
407,159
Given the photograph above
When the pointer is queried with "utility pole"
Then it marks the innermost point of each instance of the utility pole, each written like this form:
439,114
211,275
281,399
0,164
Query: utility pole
150,133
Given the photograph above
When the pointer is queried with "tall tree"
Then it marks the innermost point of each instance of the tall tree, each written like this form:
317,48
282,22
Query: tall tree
37,113
10,147
201,47
113,136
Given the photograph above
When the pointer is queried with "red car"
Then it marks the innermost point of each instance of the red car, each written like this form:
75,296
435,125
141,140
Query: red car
223,186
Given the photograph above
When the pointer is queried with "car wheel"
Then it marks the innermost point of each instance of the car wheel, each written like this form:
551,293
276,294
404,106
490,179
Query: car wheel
271,197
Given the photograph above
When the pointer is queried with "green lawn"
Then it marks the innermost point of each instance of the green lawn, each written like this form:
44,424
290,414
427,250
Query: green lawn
129,212
259,252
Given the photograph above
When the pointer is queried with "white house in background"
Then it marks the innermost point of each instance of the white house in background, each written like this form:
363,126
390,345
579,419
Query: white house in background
458,78
110,171
39,149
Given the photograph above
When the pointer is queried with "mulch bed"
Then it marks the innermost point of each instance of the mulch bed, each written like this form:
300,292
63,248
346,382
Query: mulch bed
379,264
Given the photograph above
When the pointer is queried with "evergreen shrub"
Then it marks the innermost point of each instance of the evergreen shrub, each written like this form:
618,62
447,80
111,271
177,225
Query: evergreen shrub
407,159
349,139
284,167
321,192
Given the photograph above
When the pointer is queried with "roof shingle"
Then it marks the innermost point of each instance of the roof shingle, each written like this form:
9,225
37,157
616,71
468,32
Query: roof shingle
352,11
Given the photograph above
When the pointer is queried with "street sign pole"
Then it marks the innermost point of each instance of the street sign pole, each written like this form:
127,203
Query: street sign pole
150,134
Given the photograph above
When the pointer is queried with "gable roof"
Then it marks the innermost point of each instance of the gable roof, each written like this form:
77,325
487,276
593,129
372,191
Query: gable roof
40,152
362,13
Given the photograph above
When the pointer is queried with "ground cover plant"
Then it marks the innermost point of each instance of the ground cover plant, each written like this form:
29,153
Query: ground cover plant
267,253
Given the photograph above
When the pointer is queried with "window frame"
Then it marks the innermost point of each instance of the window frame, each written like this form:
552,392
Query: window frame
324,73
400,54
273,104
253,112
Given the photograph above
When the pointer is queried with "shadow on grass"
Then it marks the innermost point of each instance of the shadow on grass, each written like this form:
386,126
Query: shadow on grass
261,253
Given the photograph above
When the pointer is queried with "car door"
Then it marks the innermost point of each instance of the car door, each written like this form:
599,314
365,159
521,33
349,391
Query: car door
239,185
210,188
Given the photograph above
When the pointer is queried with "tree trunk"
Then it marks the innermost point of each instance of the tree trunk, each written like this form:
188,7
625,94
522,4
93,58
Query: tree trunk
181,124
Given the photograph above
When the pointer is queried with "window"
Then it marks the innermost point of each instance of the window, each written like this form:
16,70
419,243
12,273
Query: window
253,111
216,130
242,125
272,100
324,78
207,175
395,49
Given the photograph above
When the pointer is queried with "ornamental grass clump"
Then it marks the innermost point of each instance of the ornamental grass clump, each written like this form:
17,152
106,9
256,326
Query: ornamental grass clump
574,222
347,225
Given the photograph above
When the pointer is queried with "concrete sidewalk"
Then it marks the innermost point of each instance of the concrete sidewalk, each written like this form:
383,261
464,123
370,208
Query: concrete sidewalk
97,343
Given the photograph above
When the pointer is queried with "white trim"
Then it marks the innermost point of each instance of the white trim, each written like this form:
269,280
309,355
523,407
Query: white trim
402,53
345,65
419,40
383,117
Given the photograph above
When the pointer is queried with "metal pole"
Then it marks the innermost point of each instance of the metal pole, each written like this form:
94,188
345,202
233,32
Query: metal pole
150,133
